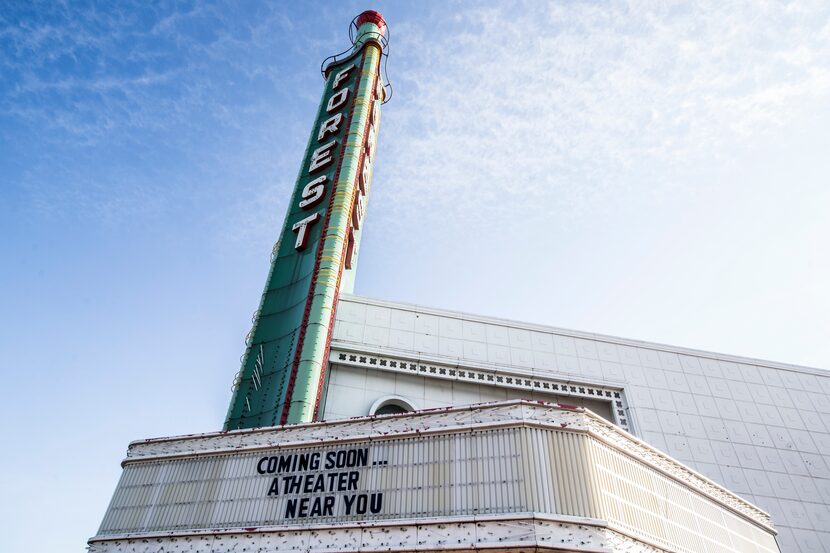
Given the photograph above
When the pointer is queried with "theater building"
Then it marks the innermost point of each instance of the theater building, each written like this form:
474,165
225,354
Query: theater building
366,425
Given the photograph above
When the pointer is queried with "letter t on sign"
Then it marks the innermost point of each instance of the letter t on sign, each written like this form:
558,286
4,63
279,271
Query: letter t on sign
301,228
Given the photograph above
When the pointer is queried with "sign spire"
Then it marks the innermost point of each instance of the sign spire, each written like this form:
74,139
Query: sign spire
284,368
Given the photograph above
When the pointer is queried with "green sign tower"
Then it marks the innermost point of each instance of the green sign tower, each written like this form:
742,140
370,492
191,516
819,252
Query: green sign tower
284,368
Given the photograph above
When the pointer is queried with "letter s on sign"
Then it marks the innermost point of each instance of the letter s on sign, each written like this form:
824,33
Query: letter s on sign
313,192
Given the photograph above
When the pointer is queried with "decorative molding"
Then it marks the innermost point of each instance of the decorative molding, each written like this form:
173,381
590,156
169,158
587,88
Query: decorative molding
600,338
405,404
504,378
429,421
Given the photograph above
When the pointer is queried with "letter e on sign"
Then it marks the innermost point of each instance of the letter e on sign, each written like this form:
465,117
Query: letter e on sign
321,156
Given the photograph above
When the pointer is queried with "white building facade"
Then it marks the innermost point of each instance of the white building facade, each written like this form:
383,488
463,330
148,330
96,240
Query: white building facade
760,429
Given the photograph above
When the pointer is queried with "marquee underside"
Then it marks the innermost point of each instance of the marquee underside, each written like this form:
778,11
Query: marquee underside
523,533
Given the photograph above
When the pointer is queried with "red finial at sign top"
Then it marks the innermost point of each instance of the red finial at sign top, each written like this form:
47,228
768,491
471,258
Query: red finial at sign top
371,16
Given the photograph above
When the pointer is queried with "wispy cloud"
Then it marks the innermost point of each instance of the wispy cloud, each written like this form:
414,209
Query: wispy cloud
547,104
120,110
501,110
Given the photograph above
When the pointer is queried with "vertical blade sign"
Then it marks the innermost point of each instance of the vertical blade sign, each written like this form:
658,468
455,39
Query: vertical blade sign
284,367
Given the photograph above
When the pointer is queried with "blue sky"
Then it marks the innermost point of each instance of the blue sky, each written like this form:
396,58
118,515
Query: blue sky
654,171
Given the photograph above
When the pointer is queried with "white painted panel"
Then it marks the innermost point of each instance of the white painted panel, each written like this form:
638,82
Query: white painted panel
497,335
520,338
498,354
378,316
542,342
401,339
476,332
402,320
449,328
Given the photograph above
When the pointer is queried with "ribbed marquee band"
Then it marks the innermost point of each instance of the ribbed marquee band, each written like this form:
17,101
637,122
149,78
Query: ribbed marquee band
511,475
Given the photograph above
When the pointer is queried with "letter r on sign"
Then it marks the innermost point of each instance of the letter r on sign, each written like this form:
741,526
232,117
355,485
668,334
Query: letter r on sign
329,126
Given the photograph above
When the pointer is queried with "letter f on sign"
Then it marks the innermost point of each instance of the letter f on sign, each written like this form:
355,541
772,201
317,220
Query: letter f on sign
341,76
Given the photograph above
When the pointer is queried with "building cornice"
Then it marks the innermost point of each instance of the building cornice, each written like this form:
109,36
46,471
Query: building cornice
656,346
